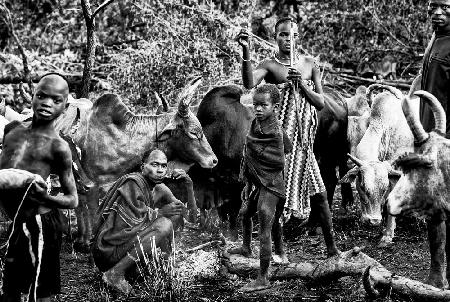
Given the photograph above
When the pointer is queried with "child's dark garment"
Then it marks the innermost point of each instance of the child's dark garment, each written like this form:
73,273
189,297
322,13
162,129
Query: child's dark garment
264,158
21,266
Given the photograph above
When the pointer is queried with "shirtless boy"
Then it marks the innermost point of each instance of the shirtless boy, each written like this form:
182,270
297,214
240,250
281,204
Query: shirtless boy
36,147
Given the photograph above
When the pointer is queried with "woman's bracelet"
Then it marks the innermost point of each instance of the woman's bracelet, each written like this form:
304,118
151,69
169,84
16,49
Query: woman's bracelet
245,60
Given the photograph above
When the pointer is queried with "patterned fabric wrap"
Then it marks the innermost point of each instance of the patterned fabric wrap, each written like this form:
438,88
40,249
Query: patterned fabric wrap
299,119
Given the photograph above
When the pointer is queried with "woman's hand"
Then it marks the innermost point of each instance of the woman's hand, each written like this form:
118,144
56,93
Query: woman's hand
294,74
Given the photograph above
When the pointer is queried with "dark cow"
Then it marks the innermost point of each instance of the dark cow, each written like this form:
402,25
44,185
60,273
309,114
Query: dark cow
424,186
226,121
113,140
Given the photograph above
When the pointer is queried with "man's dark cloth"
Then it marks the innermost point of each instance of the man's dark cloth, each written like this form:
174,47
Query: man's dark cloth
126,213
436,78
264,159
19,273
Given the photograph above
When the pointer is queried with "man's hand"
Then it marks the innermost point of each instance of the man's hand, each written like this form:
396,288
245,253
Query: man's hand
294,74
172,209
180,174
243,38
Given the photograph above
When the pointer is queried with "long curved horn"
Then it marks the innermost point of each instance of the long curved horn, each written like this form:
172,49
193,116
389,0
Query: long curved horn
438,112
161,101
398,94
185,96
415,85
420,135
357,161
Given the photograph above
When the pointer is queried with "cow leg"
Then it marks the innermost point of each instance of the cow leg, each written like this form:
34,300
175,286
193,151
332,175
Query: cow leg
388,233
346,188
328,172
234,207
83,225
436,238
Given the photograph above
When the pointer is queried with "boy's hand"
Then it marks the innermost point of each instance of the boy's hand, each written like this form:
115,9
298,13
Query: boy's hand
180,174
2,106
243,38
38,194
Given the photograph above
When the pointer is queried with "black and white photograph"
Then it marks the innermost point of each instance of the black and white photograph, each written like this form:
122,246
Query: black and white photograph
224,150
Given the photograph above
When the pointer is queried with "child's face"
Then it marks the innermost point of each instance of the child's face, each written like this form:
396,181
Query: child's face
439,12
50,99
263,106
282,36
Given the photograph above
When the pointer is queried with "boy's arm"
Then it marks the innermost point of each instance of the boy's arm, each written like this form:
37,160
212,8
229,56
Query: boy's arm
250,78
63,160
314,97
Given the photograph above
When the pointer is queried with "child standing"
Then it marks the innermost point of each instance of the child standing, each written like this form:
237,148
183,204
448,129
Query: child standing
263,172
37,148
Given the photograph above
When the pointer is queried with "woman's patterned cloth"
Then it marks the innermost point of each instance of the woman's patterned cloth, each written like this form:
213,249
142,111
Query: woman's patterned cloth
302,172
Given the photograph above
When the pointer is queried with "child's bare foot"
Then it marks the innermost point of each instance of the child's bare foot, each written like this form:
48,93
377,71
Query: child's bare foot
281,259
117,281
246,252
333,252
256,285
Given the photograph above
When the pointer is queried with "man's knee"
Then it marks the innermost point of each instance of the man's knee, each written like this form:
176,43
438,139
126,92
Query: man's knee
163,226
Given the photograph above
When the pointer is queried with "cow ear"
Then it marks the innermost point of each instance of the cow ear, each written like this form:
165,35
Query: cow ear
350,176
166,133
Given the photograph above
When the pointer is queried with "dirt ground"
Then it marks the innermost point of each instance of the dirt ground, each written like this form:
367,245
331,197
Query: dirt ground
197,277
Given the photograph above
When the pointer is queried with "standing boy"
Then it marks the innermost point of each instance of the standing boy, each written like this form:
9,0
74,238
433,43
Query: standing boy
301,92
263,171
36,147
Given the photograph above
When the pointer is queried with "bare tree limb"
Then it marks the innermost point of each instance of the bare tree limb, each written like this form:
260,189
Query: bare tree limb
101,7
5,15
89,18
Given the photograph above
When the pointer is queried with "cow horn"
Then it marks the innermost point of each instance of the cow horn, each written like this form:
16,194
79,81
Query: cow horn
357,161
161,101
415,85
398,94
370,290
438,111
186,95
420,135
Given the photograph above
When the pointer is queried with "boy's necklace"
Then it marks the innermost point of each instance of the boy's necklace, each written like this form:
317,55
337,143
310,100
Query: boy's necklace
278,60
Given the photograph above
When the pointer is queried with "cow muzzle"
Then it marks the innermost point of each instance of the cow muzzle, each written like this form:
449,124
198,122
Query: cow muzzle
371,220
209,162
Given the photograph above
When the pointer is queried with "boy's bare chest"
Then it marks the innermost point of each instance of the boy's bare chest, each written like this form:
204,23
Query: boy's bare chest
278,72
26,150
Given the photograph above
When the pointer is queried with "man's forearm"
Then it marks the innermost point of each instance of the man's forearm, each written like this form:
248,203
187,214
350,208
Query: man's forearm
247,69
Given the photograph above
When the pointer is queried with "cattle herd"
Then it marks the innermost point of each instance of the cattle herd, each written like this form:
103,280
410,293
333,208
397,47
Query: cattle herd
370,139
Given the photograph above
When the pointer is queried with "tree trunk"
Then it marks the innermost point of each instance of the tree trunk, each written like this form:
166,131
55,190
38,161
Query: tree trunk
89,61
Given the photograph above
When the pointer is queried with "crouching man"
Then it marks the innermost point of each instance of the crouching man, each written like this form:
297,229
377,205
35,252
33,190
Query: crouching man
137,205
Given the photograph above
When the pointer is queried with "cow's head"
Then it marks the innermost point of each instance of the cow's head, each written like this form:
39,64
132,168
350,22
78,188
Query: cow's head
183,135
374,179
423,187
83,182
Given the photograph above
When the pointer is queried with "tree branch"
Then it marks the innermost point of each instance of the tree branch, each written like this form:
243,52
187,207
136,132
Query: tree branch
87,12
101,7
5,15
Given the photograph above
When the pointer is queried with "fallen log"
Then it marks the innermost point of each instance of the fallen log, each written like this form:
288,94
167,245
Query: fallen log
377,280
349,263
